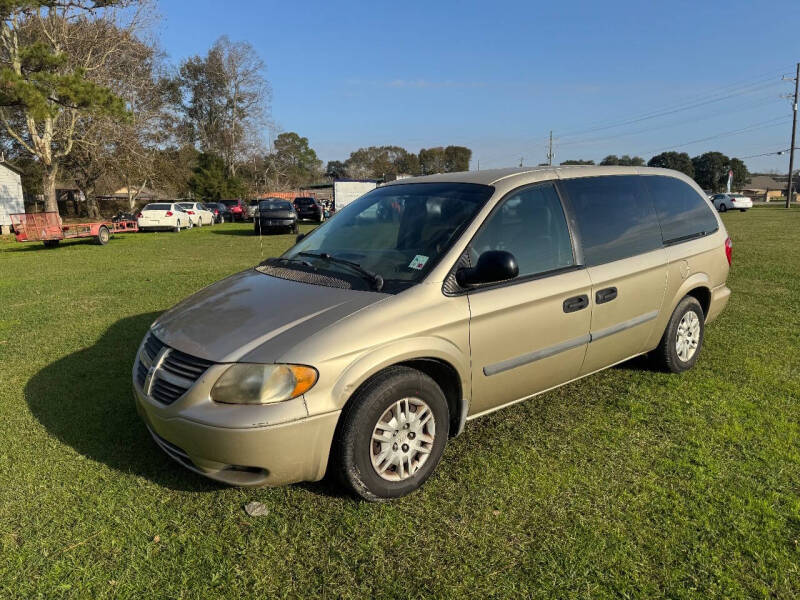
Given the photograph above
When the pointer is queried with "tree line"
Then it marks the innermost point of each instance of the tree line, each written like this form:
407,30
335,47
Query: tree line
709,170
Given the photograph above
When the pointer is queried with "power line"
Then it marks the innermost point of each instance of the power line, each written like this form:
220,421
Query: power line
754,126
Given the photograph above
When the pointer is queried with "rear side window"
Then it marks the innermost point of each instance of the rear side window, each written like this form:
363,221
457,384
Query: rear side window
530,224
682,212
615,217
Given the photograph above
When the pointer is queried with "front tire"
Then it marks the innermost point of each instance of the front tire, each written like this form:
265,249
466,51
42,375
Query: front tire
683,339
391,435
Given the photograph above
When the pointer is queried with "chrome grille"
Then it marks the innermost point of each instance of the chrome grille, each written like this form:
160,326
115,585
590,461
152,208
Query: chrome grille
174,374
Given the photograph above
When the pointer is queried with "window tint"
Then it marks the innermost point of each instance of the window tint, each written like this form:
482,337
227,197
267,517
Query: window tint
682,212
156,207
615,217
531,225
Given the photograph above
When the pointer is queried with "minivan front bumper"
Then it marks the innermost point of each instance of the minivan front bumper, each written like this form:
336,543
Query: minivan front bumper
254,456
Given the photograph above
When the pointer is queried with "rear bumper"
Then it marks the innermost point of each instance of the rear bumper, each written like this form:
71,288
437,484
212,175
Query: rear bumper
742,204
253,456
719,300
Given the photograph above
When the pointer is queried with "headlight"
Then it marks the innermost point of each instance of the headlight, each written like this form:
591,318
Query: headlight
262,384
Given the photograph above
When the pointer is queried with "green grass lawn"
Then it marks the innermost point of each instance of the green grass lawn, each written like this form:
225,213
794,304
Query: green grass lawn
628,483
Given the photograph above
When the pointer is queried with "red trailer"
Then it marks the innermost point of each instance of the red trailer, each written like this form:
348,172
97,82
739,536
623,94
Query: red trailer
46,227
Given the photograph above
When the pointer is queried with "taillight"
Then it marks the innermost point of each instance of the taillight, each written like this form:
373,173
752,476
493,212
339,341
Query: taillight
216,211
729,250
169,213
139,215
191,212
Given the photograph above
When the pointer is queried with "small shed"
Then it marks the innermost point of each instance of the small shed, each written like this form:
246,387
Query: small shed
11,200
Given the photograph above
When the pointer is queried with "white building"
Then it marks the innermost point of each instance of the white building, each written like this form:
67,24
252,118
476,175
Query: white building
10,195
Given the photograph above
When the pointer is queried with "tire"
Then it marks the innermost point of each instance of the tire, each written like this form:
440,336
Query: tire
256,229
295,229
399,392
221,219
742,210
199,222
103,235
670,354
50,243
723,208
177,227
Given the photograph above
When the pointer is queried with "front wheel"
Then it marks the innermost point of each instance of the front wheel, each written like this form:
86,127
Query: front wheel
392,435
682,340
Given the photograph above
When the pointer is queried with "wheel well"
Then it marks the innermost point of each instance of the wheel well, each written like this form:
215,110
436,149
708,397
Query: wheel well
445,376
703,296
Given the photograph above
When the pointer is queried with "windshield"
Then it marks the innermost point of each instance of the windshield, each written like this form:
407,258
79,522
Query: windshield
274,205
398,232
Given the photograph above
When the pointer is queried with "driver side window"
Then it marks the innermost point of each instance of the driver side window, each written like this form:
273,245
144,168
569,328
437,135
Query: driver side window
530,224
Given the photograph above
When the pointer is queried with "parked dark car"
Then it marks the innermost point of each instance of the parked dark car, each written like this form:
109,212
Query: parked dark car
219,210
309,208
237,208
274,214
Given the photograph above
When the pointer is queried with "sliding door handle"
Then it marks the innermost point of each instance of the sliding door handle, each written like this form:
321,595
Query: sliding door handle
576,303
606,295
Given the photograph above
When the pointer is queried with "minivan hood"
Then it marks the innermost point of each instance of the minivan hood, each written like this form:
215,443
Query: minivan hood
254,317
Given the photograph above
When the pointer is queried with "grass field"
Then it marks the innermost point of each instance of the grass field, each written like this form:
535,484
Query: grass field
629,483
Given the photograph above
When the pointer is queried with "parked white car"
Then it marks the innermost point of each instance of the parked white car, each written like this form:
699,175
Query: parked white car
198,214
164,215
723,202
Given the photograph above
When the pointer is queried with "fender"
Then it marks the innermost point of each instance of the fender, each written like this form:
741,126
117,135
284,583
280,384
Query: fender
380,357
695,280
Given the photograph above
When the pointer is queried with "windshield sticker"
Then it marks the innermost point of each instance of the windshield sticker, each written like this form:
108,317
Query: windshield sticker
418,262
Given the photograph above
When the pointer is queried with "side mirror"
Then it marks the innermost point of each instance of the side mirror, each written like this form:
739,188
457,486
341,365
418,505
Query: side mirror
493,266
299,237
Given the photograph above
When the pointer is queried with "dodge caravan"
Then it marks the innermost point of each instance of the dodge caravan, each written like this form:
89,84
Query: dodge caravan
423,304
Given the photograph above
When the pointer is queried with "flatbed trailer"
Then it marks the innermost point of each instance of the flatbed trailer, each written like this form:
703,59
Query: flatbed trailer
46,227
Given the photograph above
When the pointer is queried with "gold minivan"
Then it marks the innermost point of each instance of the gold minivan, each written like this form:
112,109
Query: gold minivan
421,305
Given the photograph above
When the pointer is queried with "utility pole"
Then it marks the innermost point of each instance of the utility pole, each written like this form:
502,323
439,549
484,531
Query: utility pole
550,151
794,131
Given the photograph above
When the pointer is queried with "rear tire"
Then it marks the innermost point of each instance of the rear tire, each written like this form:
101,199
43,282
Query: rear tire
50,243
742,210
723,208
683,338
177,228
408,447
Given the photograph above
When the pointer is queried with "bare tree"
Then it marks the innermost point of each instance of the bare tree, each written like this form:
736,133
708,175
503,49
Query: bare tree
225,100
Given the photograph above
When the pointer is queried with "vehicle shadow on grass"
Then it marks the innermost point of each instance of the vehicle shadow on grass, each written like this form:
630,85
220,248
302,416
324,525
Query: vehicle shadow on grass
238,231
85,400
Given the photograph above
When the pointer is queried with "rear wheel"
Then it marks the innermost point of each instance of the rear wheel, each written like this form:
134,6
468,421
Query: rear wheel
295,228
682,340
742,210
50,243
200,222
723,208
103,235
392,435
221,219
177,227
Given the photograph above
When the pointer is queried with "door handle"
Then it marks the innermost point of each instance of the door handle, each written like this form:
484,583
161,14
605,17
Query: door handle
576,303
606,295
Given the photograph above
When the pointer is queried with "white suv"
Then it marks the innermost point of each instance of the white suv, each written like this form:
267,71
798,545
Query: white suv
723,202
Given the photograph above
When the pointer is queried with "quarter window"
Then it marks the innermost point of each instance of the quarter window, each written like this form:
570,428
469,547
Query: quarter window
615,217
530,224
682,212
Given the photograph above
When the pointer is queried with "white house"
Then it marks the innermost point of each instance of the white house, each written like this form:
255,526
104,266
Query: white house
10,195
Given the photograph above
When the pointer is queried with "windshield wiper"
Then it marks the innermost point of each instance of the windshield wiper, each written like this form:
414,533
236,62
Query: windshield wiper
373,278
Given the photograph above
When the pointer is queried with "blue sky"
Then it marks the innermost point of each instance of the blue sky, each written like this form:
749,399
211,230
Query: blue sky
606,77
